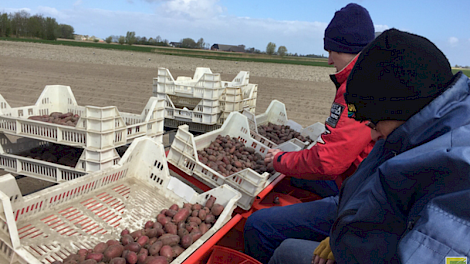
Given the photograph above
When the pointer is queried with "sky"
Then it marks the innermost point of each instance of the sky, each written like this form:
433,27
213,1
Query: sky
298,25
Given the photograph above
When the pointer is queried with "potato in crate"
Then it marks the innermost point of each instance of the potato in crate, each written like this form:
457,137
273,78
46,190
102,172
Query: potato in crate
273,129
79,218
235,131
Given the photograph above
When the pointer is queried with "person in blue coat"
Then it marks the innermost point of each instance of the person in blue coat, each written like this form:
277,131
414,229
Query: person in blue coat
409,200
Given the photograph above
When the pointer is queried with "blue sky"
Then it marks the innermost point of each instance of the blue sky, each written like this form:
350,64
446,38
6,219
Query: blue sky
297,24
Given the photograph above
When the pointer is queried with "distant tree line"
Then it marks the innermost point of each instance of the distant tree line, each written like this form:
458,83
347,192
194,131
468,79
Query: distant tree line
130,39
22,24
189,43
281,51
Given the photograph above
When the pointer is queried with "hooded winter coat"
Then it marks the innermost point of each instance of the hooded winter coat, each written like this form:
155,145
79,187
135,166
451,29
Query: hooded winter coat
409,201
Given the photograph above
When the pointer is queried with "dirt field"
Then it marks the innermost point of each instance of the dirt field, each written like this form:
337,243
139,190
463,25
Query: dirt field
124,79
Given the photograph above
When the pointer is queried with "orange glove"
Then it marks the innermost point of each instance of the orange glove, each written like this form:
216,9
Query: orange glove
323,253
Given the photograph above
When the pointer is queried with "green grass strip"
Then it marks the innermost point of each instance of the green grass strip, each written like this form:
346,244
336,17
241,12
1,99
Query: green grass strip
195,53
204,54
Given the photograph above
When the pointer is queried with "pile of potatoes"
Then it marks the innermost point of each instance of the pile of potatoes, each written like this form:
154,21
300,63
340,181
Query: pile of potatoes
65,119
55,153
279,134
159,242
229,155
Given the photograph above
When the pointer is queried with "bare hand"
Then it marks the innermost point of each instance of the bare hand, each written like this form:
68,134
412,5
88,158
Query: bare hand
318,260
268,159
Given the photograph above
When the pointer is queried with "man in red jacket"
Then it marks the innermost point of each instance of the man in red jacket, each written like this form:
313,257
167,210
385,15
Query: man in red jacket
323,167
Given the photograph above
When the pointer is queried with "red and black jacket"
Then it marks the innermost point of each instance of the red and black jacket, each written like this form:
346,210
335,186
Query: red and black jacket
346,143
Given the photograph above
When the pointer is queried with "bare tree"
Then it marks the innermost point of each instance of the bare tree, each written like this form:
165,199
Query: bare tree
282,50
5,25
122,40
188,43
66,31
130,37
19,21
52,29
200,43
270,48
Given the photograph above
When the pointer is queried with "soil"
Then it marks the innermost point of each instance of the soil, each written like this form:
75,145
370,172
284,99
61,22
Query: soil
124,79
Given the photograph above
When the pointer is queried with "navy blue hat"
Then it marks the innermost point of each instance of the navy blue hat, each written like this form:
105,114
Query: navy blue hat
350,30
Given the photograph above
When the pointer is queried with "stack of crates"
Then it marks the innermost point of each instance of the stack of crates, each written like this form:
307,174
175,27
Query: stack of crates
93,140
204,101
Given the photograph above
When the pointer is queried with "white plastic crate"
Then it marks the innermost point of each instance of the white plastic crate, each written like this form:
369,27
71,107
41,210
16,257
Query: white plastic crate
183,154
204,84
11,161
98,129
239,94
205,98
276,113
51,224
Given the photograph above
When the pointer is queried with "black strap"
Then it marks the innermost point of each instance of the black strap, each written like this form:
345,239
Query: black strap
279,157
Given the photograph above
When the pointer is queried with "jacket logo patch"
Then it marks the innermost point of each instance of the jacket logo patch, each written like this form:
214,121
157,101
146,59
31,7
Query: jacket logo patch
335,114
351,110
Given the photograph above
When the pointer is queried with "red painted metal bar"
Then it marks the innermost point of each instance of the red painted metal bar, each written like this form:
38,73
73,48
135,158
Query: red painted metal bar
270,187
200,253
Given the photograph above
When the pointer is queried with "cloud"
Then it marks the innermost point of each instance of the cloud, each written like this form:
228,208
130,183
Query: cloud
177,19
50,11
194,9
453,41
14,10
381,28
78,3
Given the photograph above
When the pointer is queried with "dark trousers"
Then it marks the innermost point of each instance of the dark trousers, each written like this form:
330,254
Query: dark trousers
322,188
266,229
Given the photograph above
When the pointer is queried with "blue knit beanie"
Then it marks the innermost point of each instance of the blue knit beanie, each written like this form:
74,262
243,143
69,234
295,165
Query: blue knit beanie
350,30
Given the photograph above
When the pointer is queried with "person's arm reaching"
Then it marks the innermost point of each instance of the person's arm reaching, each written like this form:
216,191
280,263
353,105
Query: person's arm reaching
343,145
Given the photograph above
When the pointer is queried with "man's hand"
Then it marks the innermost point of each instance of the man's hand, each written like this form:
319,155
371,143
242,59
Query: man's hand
268,159
323,254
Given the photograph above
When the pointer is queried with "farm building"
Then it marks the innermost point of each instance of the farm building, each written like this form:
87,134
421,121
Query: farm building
175,44
80,37
232,48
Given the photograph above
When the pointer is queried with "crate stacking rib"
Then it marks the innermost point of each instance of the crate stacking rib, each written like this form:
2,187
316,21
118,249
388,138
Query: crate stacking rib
98,132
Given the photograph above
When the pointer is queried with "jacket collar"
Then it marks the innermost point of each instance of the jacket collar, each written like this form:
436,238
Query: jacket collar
440,116
341,76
